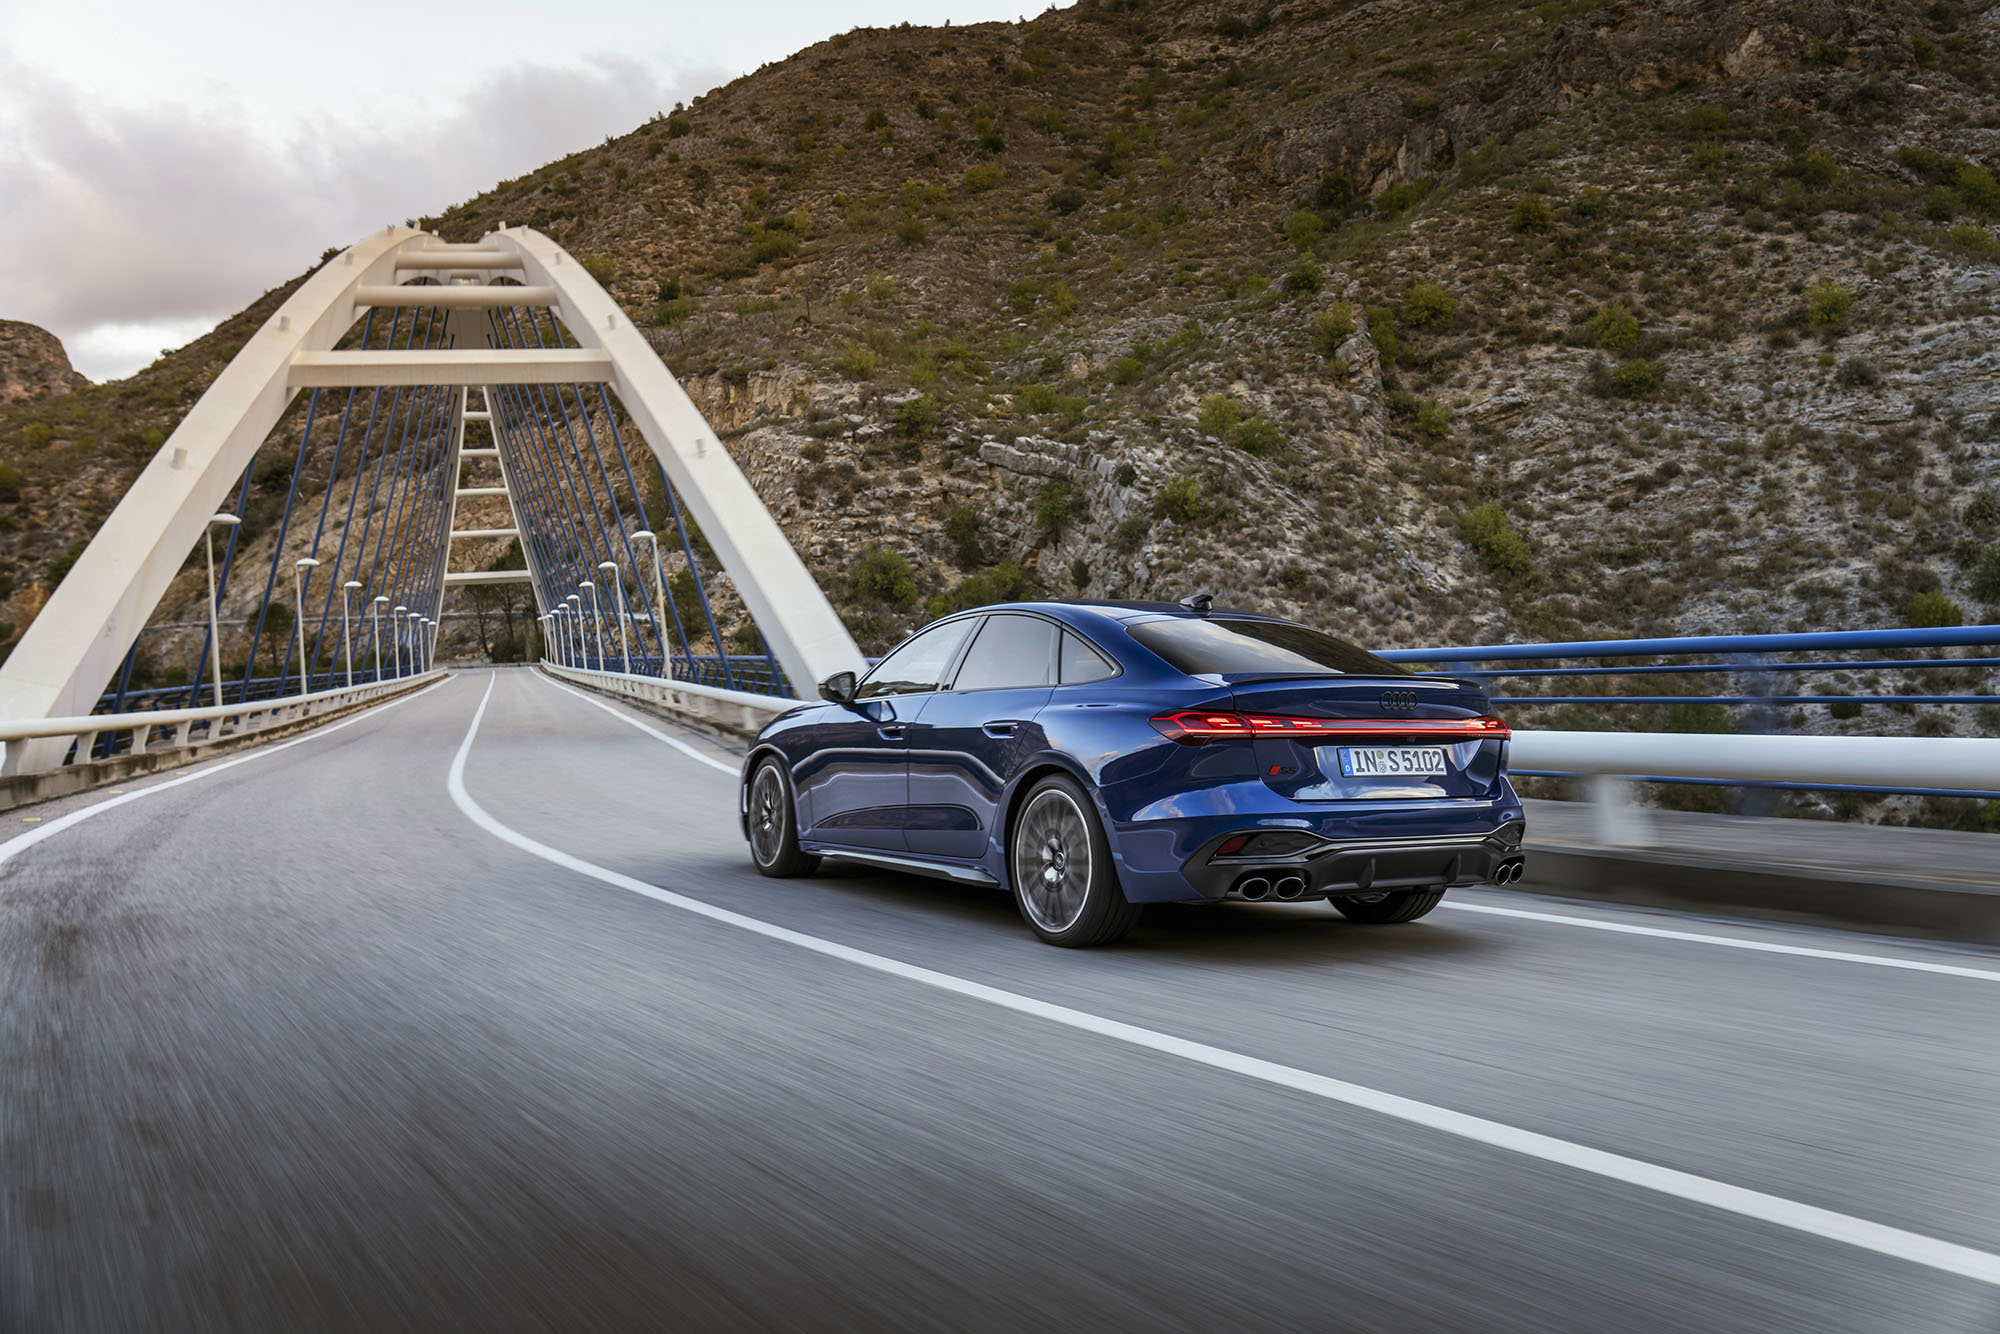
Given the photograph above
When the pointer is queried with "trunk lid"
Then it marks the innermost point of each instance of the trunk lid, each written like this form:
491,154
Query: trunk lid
1402,724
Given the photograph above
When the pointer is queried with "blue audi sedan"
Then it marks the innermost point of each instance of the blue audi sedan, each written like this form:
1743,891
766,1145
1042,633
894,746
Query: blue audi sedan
1094,757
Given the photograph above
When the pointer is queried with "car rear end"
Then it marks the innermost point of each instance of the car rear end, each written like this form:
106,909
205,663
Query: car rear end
1310,769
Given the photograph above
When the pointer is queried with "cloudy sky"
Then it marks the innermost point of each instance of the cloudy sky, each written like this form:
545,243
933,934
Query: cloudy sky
163,163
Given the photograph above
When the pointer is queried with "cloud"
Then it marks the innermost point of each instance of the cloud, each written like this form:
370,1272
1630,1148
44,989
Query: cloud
122,228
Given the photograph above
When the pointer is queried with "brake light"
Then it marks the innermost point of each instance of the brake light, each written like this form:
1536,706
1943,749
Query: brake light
1194,727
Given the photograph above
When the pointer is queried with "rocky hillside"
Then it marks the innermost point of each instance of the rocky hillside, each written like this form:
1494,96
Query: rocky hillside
33,363
1433,321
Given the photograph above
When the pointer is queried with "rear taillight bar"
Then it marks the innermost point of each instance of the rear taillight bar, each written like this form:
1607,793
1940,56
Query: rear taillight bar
1195,727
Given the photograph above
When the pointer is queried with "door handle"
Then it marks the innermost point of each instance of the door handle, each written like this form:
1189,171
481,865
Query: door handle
891,732
1000,729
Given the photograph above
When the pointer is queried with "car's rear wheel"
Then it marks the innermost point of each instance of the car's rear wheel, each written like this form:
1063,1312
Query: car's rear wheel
1400,905
773,824
1060,864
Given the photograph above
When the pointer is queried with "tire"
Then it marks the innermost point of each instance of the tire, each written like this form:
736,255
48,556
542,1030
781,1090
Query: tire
1059,863
773,824
1401,905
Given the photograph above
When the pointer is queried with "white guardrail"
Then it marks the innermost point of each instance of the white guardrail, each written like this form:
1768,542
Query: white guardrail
1608,759
737,710
194,727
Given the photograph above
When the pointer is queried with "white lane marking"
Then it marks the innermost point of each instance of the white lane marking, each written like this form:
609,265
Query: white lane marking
654,732
1732,942
22,842
1950,1257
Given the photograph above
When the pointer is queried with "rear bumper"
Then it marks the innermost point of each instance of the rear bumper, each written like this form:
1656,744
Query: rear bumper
1363,864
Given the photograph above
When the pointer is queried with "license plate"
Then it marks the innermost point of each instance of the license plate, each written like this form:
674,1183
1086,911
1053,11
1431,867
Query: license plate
1391,761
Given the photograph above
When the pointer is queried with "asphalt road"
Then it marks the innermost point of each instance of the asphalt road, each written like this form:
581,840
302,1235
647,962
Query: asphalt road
298,1042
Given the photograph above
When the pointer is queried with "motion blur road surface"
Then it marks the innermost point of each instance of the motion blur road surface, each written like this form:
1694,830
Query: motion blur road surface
299,1045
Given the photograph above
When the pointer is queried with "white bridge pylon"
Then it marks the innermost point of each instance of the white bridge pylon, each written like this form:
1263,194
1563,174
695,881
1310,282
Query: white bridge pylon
69,654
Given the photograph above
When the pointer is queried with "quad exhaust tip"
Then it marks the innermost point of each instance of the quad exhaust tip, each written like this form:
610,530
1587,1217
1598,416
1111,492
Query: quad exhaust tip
1289,887
1510,872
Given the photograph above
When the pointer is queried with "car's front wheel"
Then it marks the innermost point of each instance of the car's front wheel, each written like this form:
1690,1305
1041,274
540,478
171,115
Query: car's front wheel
1401,905
773,824
1060,863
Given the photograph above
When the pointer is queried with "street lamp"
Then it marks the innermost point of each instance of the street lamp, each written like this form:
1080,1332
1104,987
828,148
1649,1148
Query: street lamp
214,630
659,604
346,636
596,619
559,627
610,567
576,626
381,601
397,620
299,568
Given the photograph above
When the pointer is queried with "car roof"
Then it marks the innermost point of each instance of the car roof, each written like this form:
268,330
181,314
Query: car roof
1124,611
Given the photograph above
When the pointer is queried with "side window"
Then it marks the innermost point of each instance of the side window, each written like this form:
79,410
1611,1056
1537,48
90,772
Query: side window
1081,662
917,667
1011,650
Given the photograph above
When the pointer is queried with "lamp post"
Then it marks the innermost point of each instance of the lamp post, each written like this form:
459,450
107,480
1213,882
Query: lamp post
397,620
381,601
299,568
596,618
559,624
659,603
610,568
346,635
576,627
214,629
542,624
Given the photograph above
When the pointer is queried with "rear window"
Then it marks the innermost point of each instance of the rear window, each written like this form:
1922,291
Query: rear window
1217,647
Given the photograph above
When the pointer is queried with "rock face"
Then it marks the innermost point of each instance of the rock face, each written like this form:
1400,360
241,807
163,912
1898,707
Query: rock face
33,363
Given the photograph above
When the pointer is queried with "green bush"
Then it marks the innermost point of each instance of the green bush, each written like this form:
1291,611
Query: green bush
1816,169
1636,378
961,529
1984,579
1382,332
856,362
1858,373
919,417
767,245
1708,157
1982,514
912,231
1614,327
884,575
1332,327
1303,229
1932,611
1126,475
1828,303
1426,304
1217,415
601,267
10,483
1533,214
36,434
1130,535
1976,186
1179,500
1303,277
1040,398
1055,506
1066,200
1499,548
1844,710
1127,371
982,177
1433,420
1972,239
1256,435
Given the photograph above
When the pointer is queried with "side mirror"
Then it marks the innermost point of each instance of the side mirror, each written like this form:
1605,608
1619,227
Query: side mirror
839,688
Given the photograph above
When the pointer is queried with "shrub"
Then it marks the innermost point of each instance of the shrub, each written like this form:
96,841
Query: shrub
673,312
856,362
1179,500
912,231
919,417
1499,548
983,177
1433,420
1976,186
1972,239
1932,611
1858,373
1844,710
1636,378
1589,202
1055,506
1426,304
1217,415
36,434
1130,535
1256,435
961,529
1066,200
1828,303
1708,157
767,245
1614,327
1061,300
1533,214
678,127
1303,276
1982,514
1332,327
884,575
1126,475
1382,332
1815,169
1985,577
1127,371
1303,229
10,483
601,267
